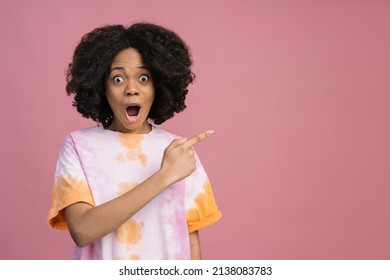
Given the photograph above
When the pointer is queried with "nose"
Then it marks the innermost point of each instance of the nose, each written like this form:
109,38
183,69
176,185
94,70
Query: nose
132,89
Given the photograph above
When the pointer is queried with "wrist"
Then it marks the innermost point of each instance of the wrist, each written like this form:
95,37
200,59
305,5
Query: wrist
163,179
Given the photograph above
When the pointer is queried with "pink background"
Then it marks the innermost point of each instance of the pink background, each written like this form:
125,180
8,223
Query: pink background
297,91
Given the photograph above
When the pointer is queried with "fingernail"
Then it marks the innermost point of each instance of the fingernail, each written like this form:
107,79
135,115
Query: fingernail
210,132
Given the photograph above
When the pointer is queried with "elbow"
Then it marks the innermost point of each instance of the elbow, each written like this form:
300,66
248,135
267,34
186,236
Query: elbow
83,230
81,238
81,243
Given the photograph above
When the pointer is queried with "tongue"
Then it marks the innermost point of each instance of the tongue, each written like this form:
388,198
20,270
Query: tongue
132,111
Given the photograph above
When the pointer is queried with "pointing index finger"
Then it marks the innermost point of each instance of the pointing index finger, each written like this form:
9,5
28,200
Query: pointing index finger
197,138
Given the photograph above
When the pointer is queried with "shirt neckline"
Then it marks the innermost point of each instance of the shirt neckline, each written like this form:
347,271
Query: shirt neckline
122,134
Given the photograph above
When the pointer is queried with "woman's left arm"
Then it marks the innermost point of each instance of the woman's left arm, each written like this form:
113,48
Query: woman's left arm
195,246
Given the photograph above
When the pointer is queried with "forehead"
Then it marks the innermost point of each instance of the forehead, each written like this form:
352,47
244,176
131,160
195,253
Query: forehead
128,57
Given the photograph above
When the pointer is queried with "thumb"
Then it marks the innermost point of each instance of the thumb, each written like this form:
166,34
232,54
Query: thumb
175,143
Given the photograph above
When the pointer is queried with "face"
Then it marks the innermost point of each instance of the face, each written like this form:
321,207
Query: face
130,93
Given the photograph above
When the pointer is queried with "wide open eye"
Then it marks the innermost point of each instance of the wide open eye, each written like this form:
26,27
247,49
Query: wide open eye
143,78
117,79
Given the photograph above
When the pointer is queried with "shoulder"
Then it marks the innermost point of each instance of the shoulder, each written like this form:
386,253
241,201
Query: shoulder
79,136
88,132
161,134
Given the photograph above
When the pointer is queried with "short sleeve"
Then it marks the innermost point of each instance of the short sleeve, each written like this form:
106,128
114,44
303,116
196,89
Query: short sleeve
70,184
201,208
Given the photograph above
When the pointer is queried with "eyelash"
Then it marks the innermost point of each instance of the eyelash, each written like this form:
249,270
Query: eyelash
115,78
139,79
146,76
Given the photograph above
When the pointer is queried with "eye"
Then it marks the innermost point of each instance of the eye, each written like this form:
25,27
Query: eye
143,78
117,79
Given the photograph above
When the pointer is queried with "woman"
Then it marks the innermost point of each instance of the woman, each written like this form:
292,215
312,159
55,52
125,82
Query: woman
126,189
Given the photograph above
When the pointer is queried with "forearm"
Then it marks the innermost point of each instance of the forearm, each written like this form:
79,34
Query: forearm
195,246
88,224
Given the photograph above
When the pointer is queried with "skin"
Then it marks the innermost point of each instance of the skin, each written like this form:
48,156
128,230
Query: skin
126,83
195,246
129,81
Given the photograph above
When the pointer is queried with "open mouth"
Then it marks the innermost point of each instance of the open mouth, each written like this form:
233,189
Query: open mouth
133,110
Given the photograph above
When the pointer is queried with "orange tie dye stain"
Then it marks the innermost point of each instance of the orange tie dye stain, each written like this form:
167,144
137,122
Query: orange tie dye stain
120,158
203,209
66,191
129,232
130,257
133,257
135,152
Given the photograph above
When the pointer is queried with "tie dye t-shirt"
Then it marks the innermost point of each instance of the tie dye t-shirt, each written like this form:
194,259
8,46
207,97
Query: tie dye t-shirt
96,165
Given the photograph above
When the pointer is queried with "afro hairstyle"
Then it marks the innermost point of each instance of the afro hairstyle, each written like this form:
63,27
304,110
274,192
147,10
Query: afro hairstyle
163,52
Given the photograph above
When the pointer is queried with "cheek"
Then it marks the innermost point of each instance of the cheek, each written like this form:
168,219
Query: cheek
112,101
112,95
151,100
150,96
109,99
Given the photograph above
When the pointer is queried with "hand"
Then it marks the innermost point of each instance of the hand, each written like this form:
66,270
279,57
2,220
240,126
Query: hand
179,159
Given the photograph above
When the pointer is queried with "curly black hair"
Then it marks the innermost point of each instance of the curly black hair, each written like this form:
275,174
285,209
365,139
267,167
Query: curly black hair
164,53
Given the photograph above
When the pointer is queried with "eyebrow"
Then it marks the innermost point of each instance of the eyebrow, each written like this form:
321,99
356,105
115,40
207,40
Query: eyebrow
123,68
